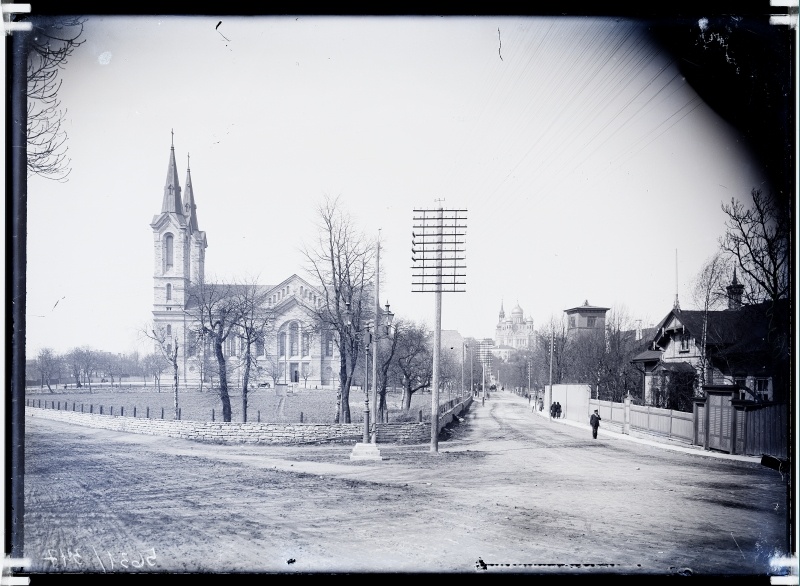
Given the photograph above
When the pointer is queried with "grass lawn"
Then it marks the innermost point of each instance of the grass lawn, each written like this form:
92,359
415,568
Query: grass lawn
316,406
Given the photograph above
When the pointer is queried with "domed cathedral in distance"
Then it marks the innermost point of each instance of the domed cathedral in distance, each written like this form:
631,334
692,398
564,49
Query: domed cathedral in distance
515,331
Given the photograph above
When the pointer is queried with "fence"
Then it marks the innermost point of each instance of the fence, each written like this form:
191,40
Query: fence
623,417
764,430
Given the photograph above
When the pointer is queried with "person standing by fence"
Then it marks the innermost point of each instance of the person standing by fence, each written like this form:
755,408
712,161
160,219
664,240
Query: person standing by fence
594,421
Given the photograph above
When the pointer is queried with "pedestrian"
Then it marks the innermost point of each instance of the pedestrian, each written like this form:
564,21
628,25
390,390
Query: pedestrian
558,410
594,421
553,410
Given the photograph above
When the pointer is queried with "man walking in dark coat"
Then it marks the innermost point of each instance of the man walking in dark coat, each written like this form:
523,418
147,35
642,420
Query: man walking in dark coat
594,421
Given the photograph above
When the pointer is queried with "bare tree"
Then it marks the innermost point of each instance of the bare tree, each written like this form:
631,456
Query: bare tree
53,40
253,320
47,363
153,365
167,346
217,309
709,294
341,261
757,238
413,358
386,357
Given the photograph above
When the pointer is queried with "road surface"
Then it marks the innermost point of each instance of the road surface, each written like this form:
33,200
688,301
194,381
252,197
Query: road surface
509,491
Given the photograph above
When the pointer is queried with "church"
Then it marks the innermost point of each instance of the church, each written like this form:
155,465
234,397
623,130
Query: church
293,350
514,332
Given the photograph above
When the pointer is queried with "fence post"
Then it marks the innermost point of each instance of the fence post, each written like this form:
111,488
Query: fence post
301,417
179,413
101,409
212,415
40,403
91,408
147,412
162,413
81,407
134,411
73,405
59,406
626,418
420,415
258,415
122,411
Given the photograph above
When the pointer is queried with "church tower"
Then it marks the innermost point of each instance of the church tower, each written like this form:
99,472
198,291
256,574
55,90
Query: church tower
179,258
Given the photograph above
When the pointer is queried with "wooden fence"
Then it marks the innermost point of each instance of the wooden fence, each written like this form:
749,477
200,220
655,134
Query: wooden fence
623,417
762,429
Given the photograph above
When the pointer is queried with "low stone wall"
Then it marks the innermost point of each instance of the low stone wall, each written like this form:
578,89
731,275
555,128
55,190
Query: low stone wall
216,431
251,433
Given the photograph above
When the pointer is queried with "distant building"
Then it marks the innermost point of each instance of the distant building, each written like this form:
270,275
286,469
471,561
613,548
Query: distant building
514,332
585,319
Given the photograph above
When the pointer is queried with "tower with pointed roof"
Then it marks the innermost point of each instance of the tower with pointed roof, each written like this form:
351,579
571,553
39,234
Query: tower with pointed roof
178,253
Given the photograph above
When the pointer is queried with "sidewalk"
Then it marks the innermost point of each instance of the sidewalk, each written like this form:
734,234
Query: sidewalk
686,449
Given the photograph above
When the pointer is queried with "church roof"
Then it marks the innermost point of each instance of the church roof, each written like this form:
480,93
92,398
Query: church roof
191,208
172,188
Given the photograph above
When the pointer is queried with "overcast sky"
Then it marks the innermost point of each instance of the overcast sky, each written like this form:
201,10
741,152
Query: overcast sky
583,158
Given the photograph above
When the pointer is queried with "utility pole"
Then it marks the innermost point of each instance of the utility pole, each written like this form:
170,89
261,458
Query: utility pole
552,347
377,338
437,247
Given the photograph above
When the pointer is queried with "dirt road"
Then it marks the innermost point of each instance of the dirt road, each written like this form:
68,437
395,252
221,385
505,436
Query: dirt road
507,488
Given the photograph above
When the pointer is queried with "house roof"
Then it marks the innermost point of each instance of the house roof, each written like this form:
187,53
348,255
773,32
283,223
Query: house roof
586,307
738,336
647,356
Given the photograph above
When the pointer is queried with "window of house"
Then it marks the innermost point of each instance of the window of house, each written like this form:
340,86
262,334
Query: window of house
260,346
684,342
169,292
572,321
169,349
328,344
168,252
306,344
762,388
591,321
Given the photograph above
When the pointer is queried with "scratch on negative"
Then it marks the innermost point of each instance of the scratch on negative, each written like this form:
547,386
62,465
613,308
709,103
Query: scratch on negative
737,545
500,44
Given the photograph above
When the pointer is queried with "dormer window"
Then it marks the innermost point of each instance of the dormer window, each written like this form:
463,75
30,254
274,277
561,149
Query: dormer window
684,342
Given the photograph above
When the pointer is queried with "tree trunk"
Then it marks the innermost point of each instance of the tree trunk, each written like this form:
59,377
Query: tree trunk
345,399
245,381
175,374
223,381
407,398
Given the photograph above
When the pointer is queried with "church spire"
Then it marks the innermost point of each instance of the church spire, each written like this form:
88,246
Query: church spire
502,312
172,188
190,209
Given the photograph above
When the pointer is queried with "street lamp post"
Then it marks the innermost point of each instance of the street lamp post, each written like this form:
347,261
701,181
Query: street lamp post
367,339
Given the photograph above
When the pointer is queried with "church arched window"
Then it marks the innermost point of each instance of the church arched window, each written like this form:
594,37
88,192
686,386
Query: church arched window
294,334
169,330
168,255
282,344
169,292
